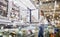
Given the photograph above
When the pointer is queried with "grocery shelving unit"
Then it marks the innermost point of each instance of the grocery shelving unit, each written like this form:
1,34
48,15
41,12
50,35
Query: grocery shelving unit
15,13
51,9
3,13
3,7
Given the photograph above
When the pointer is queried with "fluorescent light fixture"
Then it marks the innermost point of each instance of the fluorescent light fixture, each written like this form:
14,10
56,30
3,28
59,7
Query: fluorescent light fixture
47,0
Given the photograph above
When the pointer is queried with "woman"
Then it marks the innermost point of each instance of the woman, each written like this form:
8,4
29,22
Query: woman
43,23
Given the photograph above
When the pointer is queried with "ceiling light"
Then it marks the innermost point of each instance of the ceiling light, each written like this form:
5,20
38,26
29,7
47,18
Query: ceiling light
47,0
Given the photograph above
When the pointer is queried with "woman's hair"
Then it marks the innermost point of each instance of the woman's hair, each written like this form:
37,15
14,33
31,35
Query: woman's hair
42,12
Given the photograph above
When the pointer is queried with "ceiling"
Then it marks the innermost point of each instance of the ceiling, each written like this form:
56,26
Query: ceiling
28,4
48,5
25,4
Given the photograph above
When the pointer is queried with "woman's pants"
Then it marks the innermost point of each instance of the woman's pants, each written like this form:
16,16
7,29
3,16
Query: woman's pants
41,31
40,34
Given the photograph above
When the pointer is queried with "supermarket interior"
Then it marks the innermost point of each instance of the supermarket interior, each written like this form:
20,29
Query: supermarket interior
17,18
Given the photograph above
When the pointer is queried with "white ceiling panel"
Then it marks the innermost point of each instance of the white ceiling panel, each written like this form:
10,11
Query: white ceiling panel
28,4
19,3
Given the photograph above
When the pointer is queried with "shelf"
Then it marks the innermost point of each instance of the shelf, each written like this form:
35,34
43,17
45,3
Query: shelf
15,10
1,17
3,13
3,8
1,3
48,2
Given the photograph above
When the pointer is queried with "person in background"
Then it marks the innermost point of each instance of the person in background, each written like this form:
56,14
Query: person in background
43,23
